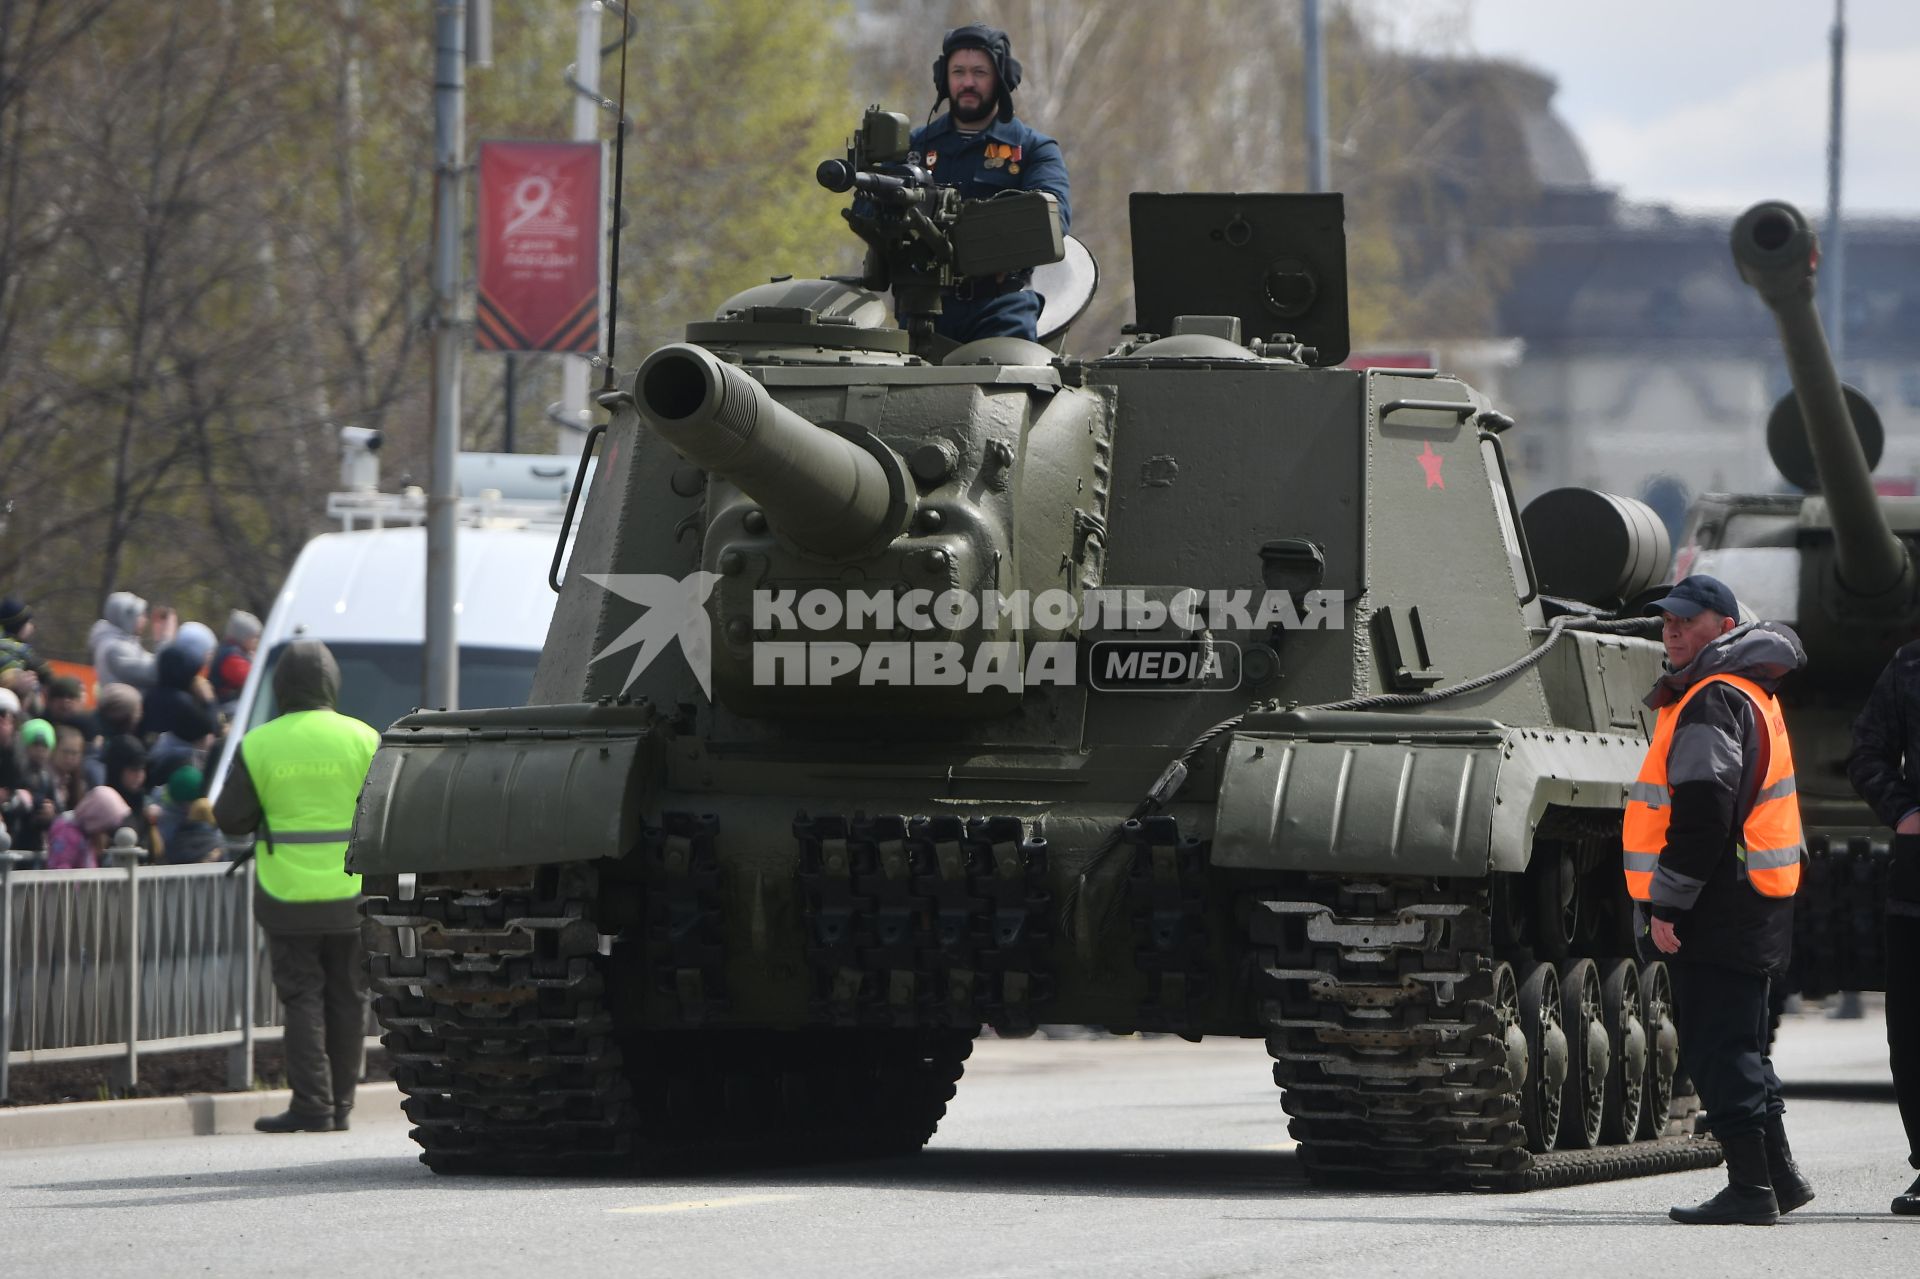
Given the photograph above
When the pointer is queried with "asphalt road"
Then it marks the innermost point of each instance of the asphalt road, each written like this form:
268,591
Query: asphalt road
1108,1158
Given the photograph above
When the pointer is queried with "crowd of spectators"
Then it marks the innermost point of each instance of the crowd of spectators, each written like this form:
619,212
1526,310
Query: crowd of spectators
140,756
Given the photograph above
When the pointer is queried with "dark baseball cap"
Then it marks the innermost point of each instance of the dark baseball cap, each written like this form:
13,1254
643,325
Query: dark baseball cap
1694,595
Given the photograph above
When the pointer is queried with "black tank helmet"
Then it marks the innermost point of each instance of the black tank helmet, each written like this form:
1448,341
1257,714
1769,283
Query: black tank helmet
994,43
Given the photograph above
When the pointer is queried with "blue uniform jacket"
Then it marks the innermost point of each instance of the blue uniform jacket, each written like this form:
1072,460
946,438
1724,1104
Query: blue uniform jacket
1004,156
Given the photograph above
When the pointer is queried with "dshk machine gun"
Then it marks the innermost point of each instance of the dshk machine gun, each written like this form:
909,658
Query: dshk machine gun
922,237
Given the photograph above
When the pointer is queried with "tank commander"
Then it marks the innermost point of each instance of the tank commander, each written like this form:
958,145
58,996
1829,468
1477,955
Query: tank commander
980,147
1712,848
1885,768
294,780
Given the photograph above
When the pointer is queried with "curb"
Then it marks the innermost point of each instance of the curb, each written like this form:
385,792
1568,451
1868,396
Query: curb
77,1123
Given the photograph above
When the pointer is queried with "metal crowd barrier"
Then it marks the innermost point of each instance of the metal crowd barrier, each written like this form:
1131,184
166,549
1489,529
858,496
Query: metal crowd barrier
114,963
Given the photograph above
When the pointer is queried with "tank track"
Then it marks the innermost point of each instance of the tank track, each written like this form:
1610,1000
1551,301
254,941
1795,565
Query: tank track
768,1096
1839,922
925,922
1393,1049
490,988
496,993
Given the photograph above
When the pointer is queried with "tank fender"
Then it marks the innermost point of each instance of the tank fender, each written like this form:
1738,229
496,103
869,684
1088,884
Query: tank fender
1464,799
487,789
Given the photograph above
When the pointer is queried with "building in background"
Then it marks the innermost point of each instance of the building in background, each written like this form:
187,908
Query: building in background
1641,365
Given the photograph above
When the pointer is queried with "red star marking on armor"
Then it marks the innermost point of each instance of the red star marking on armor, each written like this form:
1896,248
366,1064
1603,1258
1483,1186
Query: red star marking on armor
1430,463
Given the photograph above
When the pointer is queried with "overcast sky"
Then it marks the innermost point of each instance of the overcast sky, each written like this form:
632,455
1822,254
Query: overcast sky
1719,103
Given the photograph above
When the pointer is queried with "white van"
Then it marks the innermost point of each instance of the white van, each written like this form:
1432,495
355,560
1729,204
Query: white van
362,592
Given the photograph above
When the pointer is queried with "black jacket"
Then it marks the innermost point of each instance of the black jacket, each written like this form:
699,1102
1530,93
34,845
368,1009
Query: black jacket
1885,767
1885,764
1715,763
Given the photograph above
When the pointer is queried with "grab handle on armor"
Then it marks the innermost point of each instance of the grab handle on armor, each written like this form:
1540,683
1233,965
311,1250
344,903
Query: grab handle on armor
573,501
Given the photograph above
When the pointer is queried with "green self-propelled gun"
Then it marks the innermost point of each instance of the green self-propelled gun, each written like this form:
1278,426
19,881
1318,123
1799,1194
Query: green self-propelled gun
893,691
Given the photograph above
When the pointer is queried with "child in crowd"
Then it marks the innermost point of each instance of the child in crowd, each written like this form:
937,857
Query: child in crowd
117,712
34,804
69,767
186,819
125,765
79,840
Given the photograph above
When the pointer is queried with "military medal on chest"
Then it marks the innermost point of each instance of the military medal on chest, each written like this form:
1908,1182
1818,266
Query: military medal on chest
1001,154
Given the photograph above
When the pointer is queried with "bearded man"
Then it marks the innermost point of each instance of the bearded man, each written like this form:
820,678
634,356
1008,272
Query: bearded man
983,150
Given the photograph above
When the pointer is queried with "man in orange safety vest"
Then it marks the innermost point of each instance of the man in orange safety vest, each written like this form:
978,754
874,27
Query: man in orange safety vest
1712,847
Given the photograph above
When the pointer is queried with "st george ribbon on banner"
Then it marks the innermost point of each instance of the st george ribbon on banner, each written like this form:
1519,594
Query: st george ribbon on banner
539,235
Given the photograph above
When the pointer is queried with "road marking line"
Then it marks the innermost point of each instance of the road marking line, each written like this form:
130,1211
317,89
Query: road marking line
695,1205
1280,1145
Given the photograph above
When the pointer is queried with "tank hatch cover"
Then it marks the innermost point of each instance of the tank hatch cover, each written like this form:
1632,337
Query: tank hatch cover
1001,350
1187,348
1278,262
823,313
1066,288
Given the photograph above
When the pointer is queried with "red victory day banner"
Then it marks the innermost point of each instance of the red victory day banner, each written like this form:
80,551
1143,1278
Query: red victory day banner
539,247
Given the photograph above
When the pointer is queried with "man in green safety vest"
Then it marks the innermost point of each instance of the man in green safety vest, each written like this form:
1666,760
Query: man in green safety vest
294,782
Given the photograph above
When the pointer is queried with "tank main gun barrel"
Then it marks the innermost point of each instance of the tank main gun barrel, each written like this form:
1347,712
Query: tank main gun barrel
823,492
1776,252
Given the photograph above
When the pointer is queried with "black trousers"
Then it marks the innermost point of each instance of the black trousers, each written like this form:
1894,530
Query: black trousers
1723,1017
321,979
1903,1016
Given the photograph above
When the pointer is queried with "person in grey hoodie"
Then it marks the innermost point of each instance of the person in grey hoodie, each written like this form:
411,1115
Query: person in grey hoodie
294,780
118,655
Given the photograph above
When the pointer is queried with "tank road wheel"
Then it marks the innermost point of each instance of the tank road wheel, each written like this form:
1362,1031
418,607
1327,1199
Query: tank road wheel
1663,1048
1508,1026
1410,1055
1557,901
1546,1057
1627,1037
1587,1055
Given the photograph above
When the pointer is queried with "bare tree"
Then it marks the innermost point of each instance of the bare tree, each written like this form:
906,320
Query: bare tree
214,220
145,304
34,34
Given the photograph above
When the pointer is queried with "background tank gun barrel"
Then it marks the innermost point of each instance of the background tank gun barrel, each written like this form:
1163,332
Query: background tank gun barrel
1776,252
824,492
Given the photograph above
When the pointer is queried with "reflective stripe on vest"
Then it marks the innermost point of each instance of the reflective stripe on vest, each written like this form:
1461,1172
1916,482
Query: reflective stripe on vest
307,769
1770,838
